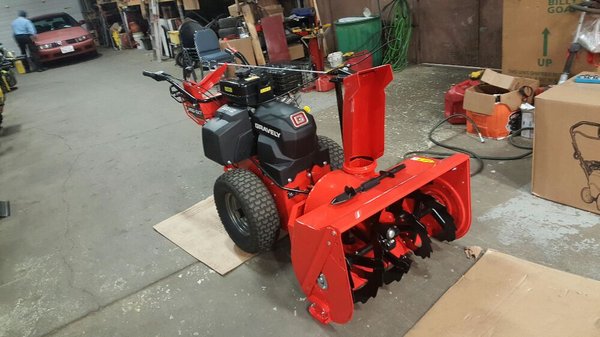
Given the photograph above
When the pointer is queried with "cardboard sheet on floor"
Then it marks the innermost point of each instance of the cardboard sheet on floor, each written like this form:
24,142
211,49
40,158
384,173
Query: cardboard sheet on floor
198,231
503,296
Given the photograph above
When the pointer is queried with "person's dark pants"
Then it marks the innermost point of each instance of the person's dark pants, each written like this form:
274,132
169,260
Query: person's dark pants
24,41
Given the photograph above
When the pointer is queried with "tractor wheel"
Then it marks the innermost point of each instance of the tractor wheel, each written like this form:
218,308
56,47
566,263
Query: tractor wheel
247,210
179,60
336,153
586,195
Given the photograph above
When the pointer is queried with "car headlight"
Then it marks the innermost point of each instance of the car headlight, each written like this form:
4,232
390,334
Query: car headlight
47,46
82,38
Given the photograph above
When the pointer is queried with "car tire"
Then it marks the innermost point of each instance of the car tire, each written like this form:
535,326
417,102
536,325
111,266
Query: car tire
247,210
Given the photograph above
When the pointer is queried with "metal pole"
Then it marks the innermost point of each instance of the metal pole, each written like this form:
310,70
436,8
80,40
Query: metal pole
154,16
339,96
180,9
272,68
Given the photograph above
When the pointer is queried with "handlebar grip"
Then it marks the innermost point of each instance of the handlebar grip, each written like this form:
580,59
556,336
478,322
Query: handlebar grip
157,76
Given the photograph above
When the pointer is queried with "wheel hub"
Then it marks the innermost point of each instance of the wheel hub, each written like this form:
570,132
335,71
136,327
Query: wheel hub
236,214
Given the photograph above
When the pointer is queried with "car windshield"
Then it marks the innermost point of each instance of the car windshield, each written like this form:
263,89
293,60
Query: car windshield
56,22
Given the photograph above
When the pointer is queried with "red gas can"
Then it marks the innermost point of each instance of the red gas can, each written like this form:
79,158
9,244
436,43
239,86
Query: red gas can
454,101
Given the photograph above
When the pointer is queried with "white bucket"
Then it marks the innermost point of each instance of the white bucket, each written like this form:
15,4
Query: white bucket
335,59
137,37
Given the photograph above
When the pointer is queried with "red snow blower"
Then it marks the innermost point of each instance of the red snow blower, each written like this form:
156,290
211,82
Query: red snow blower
352,228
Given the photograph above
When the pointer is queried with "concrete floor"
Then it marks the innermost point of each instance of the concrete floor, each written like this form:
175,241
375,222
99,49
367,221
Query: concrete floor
93,155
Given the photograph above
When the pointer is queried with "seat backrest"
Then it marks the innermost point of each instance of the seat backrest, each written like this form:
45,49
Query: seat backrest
187,31
206,41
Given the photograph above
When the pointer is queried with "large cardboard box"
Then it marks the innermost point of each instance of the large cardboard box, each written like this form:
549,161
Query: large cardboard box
235,10
189,5
535,38
504,296
296,51
247,12
495,89
566,152
244,46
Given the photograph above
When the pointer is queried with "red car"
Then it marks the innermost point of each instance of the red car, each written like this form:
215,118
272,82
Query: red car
59,36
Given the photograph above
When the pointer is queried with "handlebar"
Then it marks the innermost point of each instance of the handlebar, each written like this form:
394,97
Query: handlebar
160,76
157,76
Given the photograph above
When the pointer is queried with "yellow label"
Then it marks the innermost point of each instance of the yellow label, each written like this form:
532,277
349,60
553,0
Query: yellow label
265,89
423,160
228,89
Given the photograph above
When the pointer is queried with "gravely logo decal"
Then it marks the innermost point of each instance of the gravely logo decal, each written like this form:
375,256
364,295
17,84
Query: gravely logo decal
267,130
299,119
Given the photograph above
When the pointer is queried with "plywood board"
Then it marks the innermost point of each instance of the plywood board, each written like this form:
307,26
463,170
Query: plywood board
198,231
250,23
503,296
277,46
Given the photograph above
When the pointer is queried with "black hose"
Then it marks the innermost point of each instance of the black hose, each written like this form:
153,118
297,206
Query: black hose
518,133
479,158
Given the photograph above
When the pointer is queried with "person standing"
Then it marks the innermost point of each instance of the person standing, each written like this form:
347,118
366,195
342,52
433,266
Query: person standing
24,31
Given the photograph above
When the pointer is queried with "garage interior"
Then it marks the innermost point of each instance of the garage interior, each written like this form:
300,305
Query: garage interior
93,155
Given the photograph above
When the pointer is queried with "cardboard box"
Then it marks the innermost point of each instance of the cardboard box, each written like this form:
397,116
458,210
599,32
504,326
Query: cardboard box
250,20
495,89
296,51
244,46
191,5
566,150
535,38
503,296
233,10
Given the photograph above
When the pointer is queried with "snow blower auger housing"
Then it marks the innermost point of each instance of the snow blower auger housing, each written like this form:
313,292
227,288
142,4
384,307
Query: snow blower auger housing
352,229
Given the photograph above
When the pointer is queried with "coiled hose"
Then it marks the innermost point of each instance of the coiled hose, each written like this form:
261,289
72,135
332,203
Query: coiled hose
398,34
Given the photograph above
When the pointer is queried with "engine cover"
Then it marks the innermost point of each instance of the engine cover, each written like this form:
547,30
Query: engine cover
228,138
287,141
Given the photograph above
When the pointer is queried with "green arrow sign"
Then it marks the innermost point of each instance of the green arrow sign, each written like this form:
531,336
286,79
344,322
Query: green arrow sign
546,32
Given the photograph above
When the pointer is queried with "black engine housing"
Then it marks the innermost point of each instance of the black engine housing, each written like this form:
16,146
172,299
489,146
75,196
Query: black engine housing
281,136
286,141
228,138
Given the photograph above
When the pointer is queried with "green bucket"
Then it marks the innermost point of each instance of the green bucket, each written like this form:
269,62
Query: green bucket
360,33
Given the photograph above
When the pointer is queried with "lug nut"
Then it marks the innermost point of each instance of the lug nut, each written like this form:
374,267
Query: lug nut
390,233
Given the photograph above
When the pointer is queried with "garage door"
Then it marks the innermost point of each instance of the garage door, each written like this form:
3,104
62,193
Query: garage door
9,9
